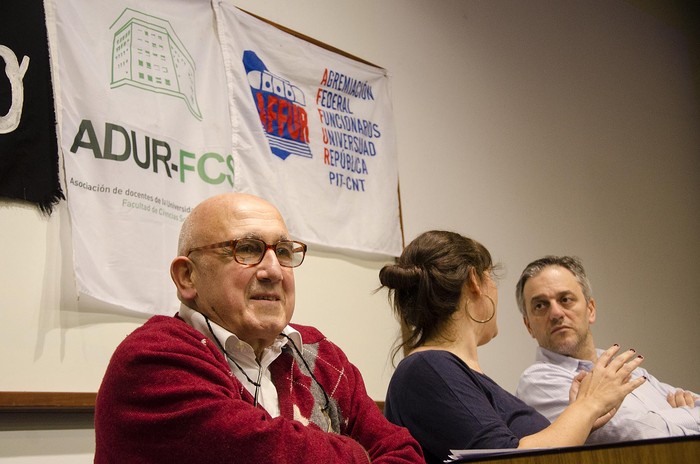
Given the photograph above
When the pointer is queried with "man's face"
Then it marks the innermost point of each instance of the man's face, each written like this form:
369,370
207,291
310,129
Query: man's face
253,301
558,316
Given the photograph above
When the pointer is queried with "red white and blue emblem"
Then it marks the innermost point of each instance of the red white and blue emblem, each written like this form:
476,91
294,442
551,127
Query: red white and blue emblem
280,105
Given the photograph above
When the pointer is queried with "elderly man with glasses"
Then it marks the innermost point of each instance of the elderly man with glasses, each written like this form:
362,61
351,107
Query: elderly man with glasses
229,379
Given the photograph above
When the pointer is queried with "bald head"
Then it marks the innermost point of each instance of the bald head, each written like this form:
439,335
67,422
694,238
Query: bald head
214,216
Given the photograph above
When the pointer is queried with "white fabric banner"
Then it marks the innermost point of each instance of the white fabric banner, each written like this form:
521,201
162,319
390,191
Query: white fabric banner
313,132
146,133
145,136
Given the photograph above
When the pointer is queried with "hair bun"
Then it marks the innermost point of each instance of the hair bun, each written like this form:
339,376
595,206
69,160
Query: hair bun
399,277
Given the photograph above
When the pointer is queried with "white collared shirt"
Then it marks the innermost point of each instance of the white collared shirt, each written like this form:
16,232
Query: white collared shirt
244,355
644,413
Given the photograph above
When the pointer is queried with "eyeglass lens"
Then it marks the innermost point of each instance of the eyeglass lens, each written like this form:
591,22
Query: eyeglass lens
252,251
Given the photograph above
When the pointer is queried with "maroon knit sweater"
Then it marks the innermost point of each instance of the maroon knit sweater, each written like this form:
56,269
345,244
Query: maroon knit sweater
169,396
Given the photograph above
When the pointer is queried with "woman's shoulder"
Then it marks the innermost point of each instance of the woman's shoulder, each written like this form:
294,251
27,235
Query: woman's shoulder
433,359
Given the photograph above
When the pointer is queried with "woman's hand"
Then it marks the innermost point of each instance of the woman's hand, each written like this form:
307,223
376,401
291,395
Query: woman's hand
573,393
605,387
595,397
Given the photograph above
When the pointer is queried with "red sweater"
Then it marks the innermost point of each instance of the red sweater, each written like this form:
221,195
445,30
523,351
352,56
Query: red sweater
169,396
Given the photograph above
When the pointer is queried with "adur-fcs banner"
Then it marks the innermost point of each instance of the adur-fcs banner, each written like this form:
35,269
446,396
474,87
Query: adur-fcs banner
145,136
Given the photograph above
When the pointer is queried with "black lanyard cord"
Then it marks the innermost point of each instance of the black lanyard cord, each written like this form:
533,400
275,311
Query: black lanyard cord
257,384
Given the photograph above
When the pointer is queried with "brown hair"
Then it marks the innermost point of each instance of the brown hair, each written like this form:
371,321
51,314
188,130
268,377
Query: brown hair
426,282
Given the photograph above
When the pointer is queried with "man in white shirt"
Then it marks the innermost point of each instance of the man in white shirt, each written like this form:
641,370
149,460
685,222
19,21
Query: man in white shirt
554,297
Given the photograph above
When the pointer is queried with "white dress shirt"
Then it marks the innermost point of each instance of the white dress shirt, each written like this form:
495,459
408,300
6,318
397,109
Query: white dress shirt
645,413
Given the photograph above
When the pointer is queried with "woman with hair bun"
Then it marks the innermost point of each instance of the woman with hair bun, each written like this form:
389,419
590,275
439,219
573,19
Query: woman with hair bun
444,292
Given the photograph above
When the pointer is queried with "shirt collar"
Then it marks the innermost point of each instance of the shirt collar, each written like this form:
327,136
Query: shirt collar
231,340
572,364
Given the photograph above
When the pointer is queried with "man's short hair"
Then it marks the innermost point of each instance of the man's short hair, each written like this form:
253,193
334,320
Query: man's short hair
571,263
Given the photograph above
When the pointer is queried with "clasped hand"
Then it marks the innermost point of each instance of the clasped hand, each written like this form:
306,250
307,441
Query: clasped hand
681,398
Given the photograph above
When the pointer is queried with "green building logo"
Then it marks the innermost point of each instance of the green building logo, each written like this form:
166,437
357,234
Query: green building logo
146,53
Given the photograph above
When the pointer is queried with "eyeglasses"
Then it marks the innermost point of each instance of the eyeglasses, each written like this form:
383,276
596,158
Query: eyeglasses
250,251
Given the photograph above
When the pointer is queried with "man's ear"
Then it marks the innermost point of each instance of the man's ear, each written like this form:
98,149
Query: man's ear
591,311
527,325
181,272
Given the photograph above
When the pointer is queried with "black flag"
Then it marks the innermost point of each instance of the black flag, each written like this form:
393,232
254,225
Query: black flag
28,145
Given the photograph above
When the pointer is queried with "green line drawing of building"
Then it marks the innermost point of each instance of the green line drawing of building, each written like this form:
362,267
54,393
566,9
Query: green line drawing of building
146,53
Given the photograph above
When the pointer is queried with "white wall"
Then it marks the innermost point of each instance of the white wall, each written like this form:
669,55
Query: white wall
535,127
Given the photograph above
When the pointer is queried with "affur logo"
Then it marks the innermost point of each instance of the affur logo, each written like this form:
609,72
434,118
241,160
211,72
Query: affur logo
280,108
